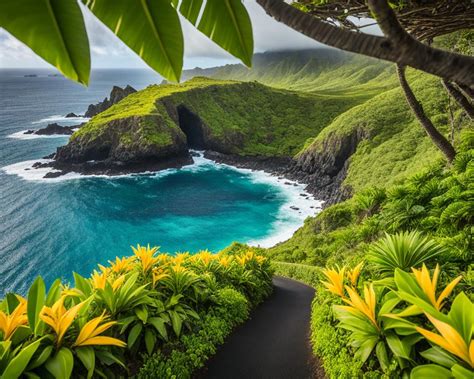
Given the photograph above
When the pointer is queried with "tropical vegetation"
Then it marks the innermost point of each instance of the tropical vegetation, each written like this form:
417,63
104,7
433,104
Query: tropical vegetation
393,268
168,311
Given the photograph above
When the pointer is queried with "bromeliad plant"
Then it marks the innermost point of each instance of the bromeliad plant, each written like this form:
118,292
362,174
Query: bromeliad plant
131,306
450,334
363,314
394,323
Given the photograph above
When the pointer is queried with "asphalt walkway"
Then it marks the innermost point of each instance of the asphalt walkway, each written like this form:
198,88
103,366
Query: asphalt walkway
274,343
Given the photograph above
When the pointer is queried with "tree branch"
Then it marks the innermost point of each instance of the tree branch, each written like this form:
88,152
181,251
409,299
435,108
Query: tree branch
438,139
407,52
457,95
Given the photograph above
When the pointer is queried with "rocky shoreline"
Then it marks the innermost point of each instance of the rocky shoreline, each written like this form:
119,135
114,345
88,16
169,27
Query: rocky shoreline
285,168
326,188
54,129
112,168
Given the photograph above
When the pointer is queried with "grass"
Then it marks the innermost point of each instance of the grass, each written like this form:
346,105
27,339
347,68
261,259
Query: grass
240,118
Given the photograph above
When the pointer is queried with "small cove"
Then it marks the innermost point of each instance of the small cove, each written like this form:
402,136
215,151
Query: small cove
54,227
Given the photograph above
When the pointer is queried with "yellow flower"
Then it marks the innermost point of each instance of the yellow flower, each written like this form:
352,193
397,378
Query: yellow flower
163,258
73,292
428,285
366,306
158,274
450,340
260,259
9,323
121,265
353,275
89,334
59,318
225,261
205,257
335,277
98,279
179,259
250,255
145,255
178,268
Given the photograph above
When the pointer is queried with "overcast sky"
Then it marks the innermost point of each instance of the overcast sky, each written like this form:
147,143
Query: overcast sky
108,51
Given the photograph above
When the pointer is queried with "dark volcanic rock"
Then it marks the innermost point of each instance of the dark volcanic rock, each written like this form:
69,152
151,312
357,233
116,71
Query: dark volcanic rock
70,115
110,154
324,167
116,95
113,168
274,165
53,129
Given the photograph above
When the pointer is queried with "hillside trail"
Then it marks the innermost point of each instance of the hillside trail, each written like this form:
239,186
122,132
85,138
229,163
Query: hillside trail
274,343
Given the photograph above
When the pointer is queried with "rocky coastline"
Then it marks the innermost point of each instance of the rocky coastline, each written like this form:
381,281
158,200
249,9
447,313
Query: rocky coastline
320,182
54,129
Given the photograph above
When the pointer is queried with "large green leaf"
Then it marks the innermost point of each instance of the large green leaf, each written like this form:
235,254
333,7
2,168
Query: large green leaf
462,316
36,297
151,28
18,364
54,30
87,356
61,364
191,9
227,23
430,372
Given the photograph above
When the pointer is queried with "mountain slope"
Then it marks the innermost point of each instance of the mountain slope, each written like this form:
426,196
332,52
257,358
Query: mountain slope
246,119
328,72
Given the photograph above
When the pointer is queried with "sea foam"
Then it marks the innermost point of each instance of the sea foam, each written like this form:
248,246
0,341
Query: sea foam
298,204
60,118
21,135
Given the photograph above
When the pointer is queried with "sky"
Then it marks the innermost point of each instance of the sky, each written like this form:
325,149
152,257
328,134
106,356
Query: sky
107,51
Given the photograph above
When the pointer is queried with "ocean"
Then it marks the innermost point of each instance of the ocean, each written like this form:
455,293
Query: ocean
52,227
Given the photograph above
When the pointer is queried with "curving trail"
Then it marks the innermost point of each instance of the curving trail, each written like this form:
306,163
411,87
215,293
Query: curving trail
274,343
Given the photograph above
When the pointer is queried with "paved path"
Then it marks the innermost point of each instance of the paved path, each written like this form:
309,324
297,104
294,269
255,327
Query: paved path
274,343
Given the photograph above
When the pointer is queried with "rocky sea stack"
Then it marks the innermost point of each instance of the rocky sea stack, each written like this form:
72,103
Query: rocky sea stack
54,129
115,96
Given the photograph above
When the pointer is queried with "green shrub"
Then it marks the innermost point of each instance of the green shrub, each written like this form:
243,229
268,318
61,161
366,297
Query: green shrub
179,306
191,353
402,250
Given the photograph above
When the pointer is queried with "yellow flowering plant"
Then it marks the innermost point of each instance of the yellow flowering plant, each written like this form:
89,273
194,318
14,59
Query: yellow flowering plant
149,299
451,333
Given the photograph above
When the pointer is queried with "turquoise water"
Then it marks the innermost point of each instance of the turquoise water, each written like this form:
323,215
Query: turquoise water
54,227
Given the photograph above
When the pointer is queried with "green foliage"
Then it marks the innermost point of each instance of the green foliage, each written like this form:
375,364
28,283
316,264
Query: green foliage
304,273
231,309
402,250
424,201
54,30
239,118
227,23
170,307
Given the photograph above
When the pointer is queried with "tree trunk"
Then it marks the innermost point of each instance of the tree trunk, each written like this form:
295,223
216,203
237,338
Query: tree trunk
439,140
457,95
405,51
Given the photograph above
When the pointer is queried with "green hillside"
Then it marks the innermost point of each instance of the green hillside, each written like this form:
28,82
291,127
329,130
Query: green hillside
324,71
232,117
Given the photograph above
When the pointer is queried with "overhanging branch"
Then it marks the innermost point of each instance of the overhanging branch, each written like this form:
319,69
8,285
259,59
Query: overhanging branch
454,67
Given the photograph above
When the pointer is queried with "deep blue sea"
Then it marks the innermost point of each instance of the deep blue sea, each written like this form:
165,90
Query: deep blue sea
54,227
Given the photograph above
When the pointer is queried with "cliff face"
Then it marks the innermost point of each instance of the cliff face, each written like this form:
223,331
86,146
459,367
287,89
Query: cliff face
163,122
325,164
125,140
